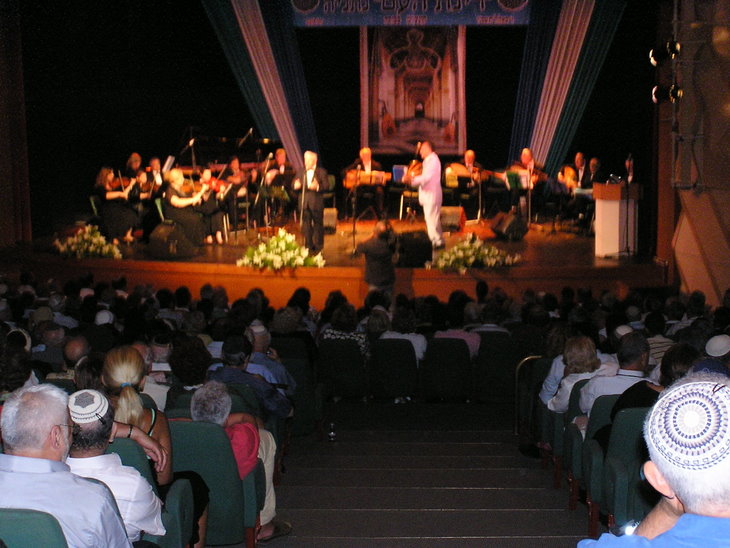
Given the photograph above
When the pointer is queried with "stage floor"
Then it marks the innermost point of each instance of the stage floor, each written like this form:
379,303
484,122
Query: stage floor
550,261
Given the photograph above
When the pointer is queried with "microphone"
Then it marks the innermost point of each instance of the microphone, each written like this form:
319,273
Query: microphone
270,156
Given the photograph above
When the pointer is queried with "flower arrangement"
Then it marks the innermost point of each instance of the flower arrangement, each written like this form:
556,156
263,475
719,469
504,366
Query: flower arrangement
472,252
86,243
281,251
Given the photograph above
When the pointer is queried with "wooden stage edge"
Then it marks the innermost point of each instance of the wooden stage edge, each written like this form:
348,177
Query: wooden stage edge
619,278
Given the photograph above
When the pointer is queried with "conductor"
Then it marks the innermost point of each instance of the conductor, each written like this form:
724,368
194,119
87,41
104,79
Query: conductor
313,183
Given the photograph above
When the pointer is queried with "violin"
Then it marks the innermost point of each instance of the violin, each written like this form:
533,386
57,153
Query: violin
416,166
121,183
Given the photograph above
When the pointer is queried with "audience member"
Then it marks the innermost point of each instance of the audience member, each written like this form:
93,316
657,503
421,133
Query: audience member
212,403
37,434
633,360
138,504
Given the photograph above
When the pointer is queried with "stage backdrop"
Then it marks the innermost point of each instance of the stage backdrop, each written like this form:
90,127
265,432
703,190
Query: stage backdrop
412,88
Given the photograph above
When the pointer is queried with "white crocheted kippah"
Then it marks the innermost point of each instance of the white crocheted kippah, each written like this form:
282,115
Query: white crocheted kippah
690,425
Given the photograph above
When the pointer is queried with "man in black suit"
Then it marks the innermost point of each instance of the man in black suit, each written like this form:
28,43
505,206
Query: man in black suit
313,182
581,170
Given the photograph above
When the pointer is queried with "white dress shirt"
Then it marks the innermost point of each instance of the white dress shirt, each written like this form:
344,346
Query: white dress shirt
140,508
85,510
603,386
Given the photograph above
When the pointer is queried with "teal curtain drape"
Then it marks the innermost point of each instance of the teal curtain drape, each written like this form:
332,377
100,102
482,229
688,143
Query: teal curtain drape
604,22
223,20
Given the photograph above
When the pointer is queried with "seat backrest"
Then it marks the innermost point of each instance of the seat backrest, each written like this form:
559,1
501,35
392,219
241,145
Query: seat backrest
574,401
393,368
133,455
600,413
446,369
290,347
20,528
180,408
205,448
341,364
627,436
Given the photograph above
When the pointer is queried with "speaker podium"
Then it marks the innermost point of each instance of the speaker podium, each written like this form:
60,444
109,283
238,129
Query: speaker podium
616,214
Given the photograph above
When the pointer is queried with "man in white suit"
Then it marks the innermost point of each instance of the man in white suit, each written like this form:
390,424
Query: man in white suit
429,193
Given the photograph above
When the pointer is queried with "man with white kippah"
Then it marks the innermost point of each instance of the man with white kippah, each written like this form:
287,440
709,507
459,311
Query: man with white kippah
138,504
719,347
688,436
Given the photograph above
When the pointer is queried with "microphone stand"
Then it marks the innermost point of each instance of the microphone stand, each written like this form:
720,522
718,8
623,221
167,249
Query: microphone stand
262,184
354,208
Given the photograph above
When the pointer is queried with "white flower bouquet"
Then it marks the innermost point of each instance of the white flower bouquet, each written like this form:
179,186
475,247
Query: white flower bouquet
87,243
472,252
281,251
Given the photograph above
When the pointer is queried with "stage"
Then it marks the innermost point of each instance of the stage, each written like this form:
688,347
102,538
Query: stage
550,261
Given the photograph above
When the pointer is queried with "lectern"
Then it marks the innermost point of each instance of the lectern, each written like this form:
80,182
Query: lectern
615,225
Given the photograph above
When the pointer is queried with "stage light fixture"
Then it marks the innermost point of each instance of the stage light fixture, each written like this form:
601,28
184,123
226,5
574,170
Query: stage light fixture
668,50
672,93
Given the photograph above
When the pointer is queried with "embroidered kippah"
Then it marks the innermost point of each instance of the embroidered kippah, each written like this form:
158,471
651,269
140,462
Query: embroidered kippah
87,406
690,425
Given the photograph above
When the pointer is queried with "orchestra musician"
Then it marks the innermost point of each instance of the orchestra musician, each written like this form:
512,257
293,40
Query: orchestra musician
134,163
179,206
210,209
240,179
313,182
155,176
118,214
429,192
365,164
534,176
278,174
151,181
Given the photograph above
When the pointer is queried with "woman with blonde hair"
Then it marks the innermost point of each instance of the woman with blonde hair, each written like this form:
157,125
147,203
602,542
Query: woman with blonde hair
179,206
123,376
581,362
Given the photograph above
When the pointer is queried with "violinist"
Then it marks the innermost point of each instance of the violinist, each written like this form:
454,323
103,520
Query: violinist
429,192
210,209
275,189
532,177
144,203
119,216
134,164
155,177
179,206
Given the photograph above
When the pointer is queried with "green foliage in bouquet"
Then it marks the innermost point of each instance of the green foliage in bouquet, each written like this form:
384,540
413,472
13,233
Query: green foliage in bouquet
472,252
87,243
281,251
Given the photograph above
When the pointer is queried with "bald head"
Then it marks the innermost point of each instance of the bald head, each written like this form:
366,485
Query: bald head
75,349
310,159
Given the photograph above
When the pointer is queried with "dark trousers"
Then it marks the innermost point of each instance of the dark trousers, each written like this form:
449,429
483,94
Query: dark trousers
313,226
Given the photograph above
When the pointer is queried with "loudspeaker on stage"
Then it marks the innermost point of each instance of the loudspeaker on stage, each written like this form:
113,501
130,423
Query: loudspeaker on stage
453,218
509,226
168,241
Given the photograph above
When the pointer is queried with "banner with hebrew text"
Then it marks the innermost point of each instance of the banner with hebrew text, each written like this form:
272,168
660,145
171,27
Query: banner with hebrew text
414,81
409,13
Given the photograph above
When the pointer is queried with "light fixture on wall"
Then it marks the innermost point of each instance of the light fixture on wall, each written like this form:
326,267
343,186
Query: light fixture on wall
668,50
660,94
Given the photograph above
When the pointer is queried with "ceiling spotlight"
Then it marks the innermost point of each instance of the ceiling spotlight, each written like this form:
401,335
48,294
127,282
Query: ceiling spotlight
668,50
671,93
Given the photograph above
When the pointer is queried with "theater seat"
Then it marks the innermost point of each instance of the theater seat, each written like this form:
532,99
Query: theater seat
21,528
234,506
